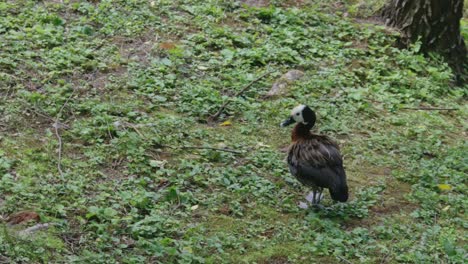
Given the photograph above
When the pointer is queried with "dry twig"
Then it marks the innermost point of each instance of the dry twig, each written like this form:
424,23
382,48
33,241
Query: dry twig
217,149
200,147
345,260
57,134
39,112
135,128
33,229
223,106
430,108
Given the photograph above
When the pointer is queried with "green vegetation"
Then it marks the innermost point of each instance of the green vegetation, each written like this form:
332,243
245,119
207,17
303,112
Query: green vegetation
131,85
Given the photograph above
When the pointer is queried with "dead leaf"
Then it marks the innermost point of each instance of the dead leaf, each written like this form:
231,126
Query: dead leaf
23,217
445,187
225,210
167,45
262,145
226,123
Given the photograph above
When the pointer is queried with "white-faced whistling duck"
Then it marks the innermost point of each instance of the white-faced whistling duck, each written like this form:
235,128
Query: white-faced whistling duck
315,160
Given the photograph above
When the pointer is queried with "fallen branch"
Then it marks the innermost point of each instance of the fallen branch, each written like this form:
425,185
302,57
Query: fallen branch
5,259
39,112
136,129
59,138
217,149
430,108
59,150
344,260
34,229
223,106
200,147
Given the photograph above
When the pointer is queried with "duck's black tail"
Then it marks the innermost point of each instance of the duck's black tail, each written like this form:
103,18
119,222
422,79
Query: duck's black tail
339,192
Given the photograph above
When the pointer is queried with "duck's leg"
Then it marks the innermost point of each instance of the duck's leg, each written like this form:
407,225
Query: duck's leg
311,199
314,198
319,193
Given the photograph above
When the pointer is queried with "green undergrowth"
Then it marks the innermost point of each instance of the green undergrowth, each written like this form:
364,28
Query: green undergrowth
128,88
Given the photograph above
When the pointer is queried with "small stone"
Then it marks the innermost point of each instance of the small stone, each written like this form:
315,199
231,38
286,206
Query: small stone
303,205
293,75
281,85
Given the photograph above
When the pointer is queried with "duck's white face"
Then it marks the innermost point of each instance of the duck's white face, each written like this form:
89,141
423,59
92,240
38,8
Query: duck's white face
296,114
301,114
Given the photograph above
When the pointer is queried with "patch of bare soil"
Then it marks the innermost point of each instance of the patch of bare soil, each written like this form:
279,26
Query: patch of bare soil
295,3
256,3
392,202
266,3
393,199
138,49
276,260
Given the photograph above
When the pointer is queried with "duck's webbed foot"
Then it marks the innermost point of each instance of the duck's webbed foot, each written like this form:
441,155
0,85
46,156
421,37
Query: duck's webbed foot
318,207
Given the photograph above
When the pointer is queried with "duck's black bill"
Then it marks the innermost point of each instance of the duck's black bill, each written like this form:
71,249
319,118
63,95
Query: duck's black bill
287,122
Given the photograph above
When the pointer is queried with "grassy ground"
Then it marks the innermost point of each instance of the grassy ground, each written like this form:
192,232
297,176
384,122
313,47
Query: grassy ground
126,174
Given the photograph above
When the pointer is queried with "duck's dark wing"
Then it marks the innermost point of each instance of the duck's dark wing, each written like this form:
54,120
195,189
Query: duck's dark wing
317,162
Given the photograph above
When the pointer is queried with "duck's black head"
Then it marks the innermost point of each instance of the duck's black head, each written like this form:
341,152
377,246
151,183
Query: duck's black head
301,114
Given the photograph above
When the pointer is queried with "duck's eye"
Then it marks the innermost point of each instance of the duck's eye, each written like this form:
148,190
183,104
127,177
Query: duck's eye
297,114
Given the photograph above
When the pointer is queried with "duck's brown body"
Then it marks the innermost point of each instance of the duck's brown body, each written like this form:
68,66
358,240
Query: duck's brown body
315,160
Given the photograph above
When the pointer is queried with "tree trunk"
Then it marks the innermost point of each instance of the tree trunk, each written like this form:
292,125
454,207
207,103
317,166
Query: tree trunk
436,23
